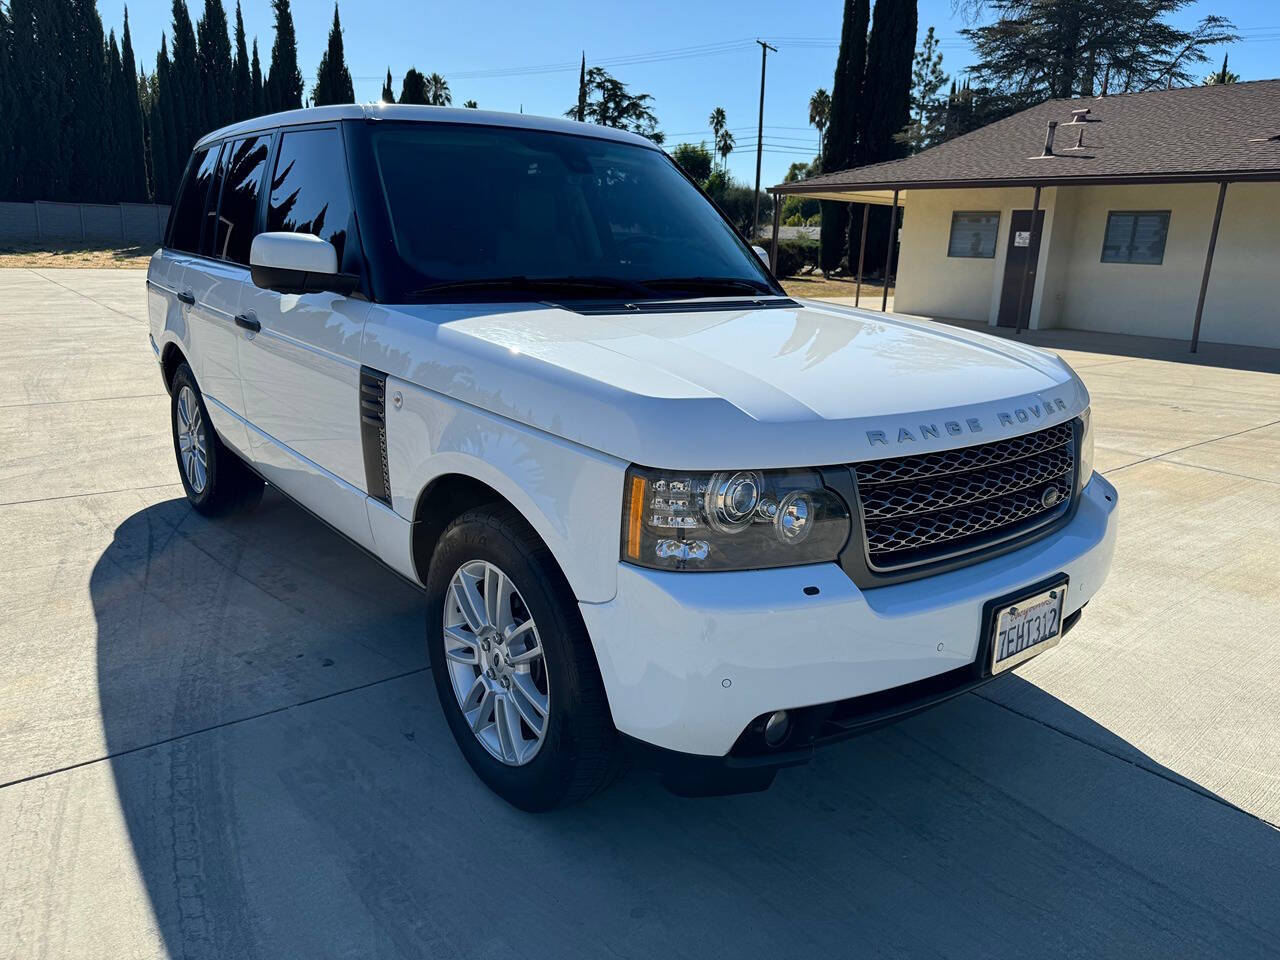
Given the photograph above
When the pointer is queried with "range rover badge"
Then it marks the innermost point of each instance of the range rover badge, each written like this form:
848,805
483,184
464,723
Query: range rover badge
1050,497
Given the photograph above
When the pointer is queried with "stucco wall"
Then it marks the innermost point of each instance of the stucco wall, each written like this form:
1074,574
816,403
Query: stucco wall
1242,304
933,284
1075,289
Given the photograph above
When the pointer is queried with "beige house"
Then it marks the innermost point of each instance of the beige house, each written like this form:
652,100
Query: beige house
1156,214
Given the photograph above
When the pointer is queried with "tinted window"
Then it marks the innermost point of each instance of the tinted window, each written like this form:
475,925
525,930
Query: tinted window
1135,236
309,188
243,164
973,234
189,211
470,203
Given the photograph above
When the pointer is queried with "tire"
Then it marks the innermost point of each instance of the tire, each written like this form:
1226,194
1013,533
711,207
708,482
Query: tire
215,479
577,752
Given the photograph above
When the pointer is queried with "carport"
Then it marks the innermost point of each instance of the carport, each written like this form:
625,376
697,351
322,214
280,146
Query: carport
1102,214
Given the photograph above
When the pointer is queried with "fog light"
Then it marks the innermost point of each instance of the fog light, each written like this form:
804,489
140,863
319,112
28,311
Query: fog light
776,728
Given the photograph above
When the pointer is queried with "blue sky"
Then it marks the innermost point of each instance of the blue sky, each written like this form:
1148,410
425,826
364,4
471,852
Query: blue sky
691,56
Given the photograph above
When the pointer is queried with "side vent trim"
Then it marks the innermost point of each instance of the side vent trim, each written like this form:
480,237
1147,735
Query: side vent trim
373,433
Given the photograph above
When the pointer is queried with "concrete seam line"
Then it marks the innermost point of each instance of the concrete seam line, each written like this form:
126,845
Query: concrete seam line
85,296
208,729
1198,443
1183,782
89,493
1225,473
53,403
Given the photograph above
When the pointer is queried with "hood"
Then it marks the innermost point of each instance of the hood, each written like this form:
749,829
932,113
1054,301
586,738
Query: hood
703,389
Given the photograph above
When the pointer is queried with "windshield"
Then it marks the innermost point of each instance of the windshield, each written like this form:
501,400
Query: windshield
541,214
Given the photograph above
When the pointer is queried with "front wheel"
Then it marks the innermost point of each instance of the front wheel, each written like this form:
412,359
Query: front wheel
513,665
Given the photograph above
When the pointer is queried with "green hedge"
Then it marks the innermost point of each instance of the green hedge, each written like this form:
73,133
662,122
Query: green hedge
795,254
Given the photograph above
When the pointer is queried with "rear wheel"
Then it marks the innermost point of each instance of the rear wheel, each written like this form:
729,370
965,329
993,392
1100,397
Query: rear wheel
214,478
513,665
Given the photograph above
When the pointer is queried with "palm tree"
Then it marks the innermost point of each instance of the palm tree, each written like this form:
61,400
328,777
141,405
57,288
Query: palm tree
724,147
718,121
438,94
819,114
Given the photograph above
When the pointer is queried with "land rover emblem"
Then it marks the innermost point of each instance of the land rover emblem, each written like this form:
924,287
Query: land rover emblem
1050,497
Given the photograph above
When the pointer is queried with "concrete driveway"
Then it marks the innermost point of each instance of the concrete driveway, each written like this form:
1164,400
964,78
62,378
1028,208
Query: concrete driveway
219,739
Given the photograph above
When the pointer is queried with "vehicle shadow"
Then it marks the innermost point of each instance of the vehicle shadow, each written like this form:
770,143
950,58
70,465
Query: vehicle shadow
290,789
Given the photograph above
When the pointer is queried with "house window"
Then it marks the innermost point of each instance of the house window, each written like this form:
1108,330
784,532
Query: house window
973,234
1135,236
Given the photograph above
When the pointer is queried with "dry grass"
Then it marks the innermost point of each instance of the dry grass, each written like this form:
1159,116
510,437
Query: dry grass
821,287
80,255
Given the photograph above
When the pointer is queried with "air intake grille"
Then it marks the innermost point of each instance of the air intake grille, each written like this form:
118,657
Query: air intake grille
373,433
916,510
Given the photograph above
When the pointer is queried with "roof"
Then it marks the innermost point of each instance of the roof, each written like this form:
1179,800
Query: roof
402,111
1224,131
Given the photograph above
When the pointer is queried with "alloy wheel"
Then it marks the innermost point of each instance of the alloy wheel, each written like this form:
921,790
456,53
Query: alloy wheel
192,444
496,664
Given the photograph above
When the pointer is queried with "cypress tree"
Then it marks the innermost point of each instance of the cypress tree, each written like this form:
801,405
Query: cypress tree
414,88
164,130
114,165
133,147
8,110
284,80
241,82
86,58
216,96
183,109
886,105
582,90
387,95
333,80
256,87
842,133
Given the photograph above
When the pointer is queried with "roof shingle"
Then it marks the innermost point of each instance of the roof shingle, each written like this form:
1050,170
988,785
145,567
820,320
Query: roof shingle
1191,132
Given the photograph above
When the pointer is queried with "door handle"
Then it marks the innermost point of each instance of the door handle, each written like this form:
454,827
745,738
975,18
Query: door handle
249,323
187,297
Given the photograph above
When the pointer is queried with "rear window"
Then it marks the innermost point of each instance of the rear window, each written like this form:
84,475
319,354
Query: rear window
309,192
244,164
189,210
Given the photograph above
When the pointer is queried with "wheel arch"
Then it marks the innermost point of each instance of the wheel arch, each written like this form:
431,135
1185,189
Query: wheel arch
171,357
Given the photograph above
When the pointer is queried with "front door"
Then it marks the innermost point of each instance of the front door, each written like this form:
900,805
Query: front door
1023,248
301,370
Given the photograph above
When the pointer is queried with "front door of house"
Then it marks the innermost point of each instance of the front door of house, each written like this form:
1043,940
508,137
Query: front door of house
1024,247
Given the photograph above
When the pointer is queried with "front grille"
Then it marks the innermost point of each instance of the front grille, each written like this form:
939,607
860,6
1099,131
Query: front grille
919,509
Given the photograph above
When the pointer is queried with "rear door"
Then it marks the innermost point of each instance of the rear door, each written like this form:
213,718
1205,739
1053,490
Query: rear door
301,372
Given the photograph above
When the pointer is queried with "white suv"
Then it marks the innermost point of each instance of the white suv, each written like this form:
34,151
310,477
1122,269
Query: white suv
660,510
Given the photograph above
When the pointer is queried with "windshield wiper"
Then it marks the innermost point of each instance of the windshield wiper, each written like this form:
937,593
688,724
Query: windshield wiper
709,284
535,285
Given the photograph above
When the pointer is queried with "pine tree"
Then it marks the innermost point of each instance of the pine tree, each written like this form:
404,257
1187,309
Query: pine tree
133,146
284,80
241,89
333,79
257,88
414,88
217,97
842,133
387,95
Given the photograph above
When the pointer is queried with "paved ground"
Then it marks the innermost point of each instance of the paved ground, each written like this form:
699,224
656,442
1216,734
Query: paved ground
218,740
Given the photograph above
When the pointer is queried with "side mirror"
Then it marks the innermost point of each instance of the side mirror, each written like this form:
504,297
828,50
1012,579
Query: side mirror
298,263
762,253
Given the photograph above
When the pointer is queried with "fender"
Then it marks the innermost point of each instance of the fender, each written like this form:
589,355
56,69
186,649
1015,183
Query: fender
571,495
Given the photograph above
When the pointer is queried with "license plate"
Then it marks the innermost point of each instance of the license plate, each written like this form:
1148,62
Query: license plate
1026,628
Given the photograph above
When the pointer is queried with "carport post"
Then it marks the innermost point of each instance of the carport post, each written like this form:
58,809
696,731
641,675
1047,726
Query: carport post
1026,267
1208,264
862,253
888,254
773,247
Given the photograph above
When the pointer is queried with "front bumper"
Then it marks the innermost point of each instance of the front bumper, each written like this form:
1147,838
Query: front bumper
689,660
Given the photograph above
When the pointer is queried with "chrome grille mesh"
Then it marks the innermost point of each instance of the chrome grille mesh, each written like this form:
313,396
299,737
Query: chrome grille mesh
919,509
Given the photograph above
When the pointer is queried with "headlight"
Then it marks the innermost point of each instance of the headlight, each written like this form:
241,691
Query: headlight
730,520
1086,450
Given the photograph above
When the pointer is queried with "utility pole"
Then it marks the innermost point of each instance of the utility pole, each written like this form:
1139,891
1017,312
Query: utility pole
764,56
